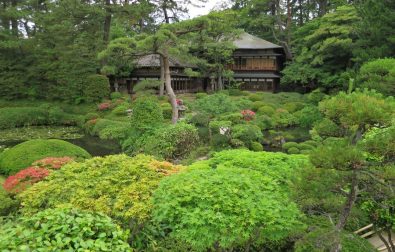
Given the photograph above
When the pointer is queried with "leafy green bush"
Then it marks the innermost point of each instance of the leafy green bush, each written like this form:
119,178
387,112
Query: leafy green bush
264,122
243,103
282,118
117,185
167,110
22,116
63,230
315,96
266,110
293,106
256,97
280,166
115,95
96,87
147,113
24,154
216,104
326,128
91,116
247,133
379,75
109,129
307,116
200,119
255,146
289,145
305,146
215,126
201,95
293,150
223,208
171,142
234,118
235,92
8,205
204,134
120,110
257,104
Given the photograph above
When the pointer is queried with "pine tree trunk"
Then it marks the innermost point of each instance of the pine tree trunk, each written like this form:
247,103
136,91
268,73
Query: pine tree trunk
107,22
14,21
169,89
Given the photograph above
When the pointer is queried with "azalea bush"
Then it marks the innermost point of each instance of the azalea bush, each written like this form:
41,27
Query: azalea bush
104,106
118,186
248,115
24,179
63,230
54,163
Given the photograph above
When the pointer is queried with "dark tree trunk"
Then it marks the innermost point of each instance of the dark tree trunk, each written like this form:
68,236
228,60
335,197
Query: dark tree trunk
162,76
389,235
14,21
378,232
107,22
164,8
5,22
322,7
169,89
300,3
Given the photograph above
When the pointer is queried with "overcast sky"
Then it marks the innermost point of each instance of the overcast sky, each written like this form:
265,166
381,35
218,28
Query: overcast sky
198,11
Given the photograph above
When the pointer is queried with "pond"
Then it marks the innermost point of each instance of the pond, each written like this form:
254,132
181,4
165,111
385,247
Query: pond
92,144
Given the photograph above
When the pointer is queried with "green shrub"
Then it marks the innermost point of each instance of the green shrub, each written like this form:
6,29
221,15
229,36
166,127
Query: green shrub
379,75
293,106
293,150
289,145
266,110
257,104
216,104
307,116
235,92
22,116
96,87
91,116
326,128
200,119
118,186
57,116
115,95
315,96
220,141
305,146
147,113
234,118
264,122
120,110
312,143
305,152
8,205
282,118
203,208
63,230
243,103
24,154
204,134
167,110
201,95
109,129
247,133
171,142
255,146
236,143
215,126
256,97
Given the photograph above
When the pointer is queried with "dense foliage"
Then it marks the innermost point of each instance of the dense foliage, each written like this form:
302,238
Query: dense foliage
24,154
63,230
118,186
223,209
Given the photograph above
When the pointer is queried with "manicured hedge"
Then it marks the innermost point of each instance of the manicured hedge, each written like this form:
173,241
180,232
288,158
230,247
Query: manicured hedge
24,154
22,116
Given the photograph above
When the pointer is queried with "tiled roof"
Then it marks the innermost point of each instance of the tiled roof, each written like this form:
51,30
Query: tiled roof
248,41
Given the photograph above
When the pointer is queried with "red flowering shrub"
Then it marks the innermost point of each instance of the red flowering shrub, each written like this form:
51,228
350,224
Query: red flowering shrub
24,178
52,162
248,115
104,106
179,102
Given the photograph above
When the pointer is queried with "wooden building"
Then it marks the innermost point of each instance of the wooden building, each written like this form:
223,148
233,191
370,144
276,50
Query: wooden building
257,65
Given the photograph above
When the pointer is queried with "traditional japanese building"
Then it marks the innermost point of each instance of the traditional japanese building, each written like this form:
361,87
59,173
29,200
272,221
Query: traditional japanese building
257,65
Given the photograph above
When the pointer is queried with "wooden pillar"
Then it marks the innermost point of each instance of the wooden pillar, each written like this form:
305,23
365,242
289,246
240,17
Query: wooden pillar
129,86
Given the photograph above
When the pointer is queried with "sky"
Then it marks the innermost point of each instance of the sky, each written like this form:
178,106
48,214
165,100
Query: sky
199,11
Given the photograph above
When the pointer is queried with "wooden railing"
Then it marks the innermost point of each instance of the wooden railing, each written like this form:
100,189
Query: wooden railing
369,233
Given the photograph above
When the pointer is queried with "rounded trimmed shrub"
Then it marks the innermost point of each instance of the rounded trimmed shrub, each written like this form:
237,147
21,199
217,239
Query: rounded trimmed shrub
63,230
96,87
256,97
8,204
289,145
255,146
24,154
167,110
247,133
293,106
200,119
200,95
115,95
266,110
147,113
22,116
305,146
91,116
223,208
293,150
257,104
120,110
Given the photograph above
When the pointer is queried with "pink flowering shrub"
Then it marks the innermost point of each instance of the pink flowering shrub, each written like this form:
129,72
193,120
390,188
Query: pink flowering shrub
248,115
54,163
179,102
24,179
104,106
